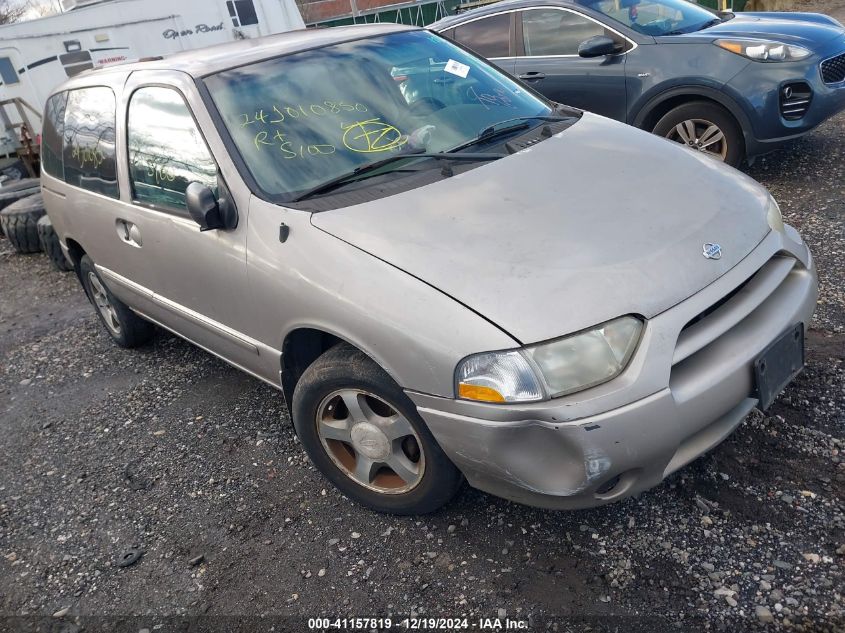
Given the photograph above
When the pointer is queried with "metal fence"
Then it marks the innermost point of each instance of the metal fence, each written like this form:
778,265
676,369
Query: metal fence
419,13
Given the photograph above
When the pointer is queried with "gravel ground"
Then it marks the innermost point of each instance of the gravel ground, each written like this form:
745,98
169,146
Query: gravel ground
170,452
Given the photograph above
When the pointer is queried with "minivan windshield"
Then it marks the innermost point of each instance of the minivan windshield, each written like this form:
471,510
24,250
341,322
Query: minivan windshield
307,118
655,17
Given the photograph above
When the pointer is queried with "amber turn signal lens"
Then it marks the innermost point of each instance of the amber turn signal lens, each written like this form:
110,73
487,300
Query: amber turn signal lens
477,392
733,47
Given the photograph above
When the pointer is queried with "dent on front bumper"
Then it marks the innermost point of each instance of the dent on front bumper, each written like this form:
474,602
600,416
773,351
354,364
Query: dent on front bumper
687,388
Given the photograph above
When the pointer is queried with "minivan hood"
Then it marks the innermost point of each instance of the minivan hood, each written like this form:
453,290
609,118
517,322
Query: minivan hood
596,222
779,26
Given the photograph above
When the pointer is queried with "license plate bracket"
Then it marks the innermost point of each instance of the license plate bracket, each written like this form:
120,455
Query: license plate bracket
778,365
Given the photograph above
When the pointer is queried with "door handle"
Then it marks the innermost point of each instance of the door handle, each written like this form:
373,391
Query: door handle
532,76
128,232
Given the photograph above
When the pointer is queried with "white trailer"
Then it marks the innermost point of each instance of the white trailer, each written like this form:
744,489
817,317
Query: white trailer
36,56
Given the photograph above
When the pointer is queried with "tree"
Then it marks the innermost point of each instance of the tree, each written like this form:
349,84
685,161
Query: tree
11,11
41,8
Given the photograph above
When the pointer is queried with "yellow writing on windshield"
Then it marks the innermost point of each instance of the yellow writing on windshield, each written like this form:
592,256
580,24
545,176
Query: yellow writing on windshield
291,149
273,125
372,135
278,114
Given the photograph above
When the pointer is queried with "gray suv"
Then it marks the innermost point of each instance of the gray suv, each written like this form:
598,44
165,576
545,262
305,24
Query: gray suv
487,287
729,85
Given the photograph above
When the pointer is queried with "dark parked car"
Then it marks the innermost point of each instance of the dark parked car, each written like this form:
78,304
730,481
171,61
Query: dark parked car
730,85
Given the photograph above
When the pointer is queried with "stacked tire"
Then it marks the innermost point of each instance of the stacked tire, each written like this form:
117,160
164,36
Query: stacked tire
20,223
14,191
50,244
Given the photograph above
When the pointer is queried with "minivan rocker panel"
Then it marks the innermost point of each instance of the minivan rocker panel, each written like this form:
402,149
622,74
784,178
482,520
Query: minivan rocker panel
535,237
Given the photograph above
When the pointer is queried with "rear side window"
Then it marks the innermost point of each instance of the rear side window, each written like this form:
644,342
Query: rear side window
7,71
489,37
242,12
51,136
166,150
555,32
88,150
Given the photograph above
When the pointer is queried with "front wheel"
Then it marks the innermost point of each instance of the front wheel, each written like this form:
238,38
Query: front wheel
704,127
364,434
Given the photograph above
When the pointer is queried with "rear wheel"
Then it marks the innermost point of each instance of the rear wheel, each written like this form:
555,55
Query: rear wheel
125,327
364,434
704,127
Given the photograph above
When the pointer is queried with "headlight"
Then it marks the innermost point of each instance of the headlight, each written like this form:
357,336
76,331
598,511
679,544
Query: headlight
773,216
552,369
765,50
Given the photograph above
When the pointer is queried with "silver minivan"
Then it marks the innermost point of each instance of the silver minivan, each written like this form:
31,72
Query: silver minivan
448,276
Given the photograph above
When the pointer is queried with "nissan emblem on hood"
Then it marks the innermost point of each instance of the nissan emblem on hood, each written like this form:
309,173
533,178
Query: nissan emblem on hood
712,251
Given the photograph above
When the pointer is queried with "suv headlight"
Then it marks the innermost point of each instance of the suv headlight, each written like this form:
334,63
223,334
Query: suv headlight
765,50
773,216
552,369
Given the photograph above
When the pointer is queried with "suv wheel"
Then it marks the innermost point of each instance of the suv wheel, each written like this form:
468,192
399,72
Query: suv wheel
705,127
125,327
364,434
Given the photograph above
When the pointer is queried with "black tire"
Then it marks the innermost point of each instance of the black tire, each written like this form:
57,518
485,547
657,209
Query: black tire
50,244
345,367
705,111
15,190
129,329
20,223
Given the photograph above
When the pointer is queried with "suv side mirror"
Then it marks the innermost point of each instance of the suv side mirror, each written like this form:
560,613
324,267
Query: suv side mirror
207,211
598,46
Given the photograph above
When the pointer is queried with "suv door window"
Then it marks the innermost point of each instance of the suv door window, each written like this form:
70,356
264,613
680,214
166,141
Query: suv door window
548,32
88,148
489,37
166,150
51,136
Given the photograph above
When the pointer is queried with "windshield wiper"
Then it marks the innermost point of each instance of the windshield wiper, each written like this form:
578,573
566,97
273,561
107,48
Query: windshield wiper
710,23
705,25
491,131
358,172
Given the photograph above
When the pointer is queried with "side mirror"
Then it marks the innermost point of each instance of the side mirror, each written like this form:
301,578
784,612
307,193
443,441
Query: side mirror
598,46
207,211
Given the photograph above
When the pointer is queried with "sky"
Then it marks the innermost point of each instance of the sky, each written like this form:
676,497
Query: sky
39,8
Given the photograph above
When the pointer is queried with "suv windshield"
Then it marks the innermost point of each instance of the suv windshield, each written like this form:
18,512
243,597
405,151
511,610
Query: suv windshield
304,119
655,17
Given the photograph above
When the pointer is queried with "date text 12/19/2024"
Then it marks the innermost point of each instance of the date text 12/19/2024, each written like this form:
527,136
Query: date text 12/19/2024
418,624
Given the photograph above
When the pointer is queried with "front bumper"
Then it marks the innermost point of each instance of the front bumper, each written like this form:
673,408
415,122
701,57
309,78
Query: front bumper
758,87
689,385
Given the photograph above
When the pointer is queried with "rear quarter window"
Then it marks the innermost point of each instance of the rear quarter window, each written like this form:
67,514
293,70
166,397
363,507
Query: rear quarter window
51,136
88,149
489,37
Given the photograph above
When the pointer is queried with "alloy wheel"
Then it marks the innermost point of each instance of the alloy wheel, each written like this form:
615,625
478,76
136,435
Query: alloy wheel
101,300
370,441
701,135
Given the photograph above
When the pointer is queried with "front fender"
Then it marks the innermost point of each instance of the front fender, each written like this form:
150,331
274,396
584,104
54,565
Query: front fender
314,280
716,92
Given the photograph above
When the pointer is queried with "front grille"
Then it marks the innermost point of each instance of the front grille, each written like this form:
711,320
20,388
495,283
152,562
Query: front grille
833,69
795,100
707,312
733,308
